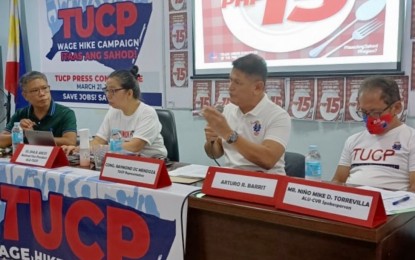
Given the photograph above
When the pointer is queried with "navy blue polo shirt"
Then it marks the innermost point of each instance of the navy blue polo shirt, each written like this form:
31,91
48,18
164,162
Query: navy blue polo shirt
59,119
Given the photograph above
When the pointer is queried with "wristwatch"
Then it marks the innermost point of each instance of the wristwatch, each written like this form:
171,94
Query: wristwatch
232,138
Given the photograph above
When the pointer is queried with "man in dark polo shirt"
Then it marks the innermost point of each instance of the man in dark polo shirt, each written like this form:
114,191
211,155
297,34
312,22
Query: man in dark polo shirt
43,113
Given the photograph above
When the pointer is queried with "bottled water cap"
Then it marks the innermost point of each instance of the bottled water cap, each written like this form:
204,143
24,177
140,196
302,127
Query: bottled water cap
312,147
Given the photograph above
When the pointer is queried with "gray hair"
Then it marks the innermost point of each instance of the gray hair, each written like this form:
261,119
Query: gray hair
389,87
252,65
30,76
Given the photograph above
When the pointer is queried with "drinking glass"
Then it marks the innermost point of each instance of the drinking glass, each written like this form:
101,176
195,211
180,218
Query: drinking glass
99,152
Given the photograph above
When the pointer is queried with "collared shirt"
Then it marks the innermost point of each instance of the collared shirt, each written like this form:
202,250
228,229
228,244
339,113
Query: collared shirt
267,121
59,119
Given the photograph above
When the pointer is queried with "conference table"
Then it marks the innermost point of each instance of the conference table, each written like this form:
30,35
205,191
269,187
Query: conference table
70,213
217,228
223,229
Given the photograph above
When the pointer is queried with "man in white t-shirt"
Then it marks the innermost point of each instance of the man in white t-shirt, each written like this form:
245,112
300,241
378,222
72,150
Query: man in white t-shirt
383,155
252,132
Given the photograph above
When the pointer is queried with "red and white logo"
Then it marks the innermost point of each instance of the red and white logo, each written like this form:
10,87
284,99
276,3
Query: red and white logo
284,25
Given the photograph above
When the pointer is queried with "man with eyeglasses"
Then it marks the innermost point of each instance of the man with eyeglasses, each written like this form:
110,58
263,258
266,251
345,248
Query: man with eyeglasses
43,113
383,155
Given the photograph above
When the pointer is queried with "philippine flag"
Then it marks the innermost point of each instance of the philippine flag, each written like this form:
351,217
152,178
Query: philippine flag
15,64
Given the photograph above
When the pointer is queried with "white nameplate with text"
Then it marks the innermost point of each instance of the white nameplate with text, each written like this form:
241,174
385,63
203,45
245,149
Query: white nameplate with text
34,155
256,187
245,184
130,170
328,200
135,170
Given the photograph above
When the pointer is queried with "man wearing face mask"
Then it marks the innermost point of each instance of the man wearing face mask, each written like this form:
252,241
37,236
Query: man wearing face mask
383,155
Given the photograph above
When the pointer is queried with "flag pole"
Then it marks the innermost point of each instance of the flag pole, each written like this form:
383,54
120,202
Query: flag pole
8,107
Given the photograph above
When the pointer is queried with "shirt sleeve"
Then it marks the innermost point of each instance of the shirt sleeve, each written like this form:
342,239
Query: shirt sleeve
69,121
279,129
411,159
346,155
15,118
149,127
105,128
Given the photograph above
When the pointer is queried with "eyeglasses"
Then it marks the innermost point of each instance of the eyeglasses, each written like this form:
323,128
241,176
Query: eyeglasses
112,91
36,91
375,114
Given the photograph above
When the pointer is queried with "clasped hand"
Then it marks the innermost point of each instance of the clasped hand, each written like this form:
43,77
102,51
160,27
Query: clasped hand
217,126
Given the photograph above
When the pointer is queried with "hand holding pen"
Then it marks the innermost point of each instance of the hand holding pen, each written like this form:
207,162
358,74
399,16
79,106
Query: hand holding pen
27,124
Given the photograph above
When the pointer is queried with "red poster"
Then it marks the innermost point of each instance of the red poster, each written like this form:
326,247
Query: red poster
178,69
177,5
352,88
275,89
330,99
222,92
301,103
413,21
202,95
402,82
178,31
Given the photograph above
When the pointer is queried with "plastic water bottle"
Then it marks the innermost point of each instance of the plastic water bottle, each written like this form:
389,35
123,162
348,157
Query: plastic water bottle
313,164
115,141
17,135
84,151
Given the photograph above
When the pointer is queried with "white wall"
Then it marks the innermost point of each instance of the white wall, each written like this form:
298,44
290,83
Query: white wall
329,137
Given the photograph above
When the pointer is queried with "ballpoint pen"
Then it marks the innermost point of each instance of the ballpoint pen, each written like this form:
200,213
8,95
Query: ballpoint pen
403,199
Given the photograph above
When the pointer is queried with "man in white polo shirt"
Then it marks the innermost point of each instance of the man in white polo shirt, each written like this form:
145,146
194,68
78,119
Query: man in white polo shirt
252,132
383,155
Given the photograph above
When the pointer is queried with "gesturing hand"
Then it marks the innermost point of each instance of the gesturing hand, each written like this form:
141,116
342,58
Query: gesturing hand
210,134
216,123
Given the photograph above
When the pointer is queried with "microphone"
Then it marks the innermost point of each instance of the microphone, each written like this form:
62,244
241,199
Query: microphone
219,107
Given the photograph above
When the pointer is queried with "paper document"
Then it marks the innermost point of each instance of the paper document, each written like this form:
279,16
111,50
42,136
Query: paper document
184,180
395,201
192,170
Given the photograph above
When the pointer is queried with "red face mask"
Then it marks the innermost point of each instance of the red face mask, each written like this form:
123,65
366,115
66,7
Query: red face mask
377,126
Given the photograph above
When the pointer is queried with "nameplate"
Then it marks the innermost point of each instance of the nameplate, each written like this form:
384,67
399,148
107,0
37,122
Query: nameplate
39,155
242,185
135,170
331,201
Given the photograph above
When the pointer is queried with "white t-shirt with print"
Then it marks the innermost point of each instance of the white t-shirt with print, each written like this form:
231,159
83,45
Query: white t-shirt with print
143,124
382,161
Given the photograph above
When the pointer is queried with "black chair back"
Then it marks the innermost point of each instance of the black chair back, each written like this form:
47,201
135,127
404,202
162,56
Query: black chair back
294,164
169,133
